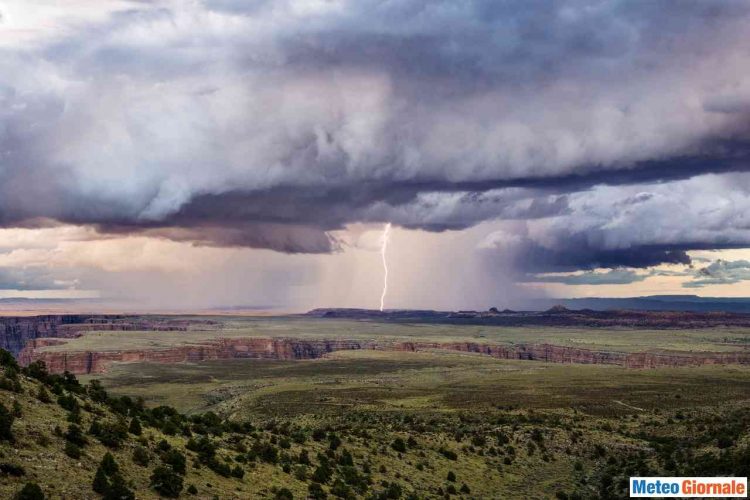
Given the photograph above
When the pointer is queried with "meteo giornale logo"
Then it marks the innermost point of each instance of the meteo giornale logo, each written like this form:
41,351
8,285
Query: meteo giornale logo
685,487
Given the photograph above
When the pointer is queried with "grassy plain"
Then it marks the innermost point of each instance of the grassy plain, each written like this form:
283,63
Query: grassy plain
435,381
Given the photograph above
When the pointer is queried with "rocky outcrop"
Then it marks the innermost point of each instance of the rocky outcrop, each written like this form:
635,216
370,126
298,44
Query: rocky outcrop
297,349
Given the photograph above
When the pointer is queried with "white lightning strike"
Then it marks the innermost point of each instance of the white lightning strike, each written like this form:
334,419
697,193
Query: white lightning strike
383,247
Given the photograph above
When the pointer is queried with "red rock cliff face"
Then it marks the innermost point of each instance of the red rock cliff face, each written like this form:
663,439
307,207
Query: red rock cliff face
295,349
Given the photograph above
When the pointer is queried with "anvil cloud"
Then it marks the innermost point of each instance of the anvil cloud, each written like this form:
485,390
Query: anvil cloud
614,133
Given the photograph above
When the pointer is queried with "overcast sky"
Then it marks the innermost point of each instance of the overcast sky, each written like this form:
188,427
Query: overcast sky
188,154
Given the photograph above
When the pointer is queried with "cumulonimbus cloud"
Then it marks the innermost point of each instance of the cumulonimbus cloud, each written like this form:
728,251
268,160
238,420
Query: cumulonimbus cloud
269,124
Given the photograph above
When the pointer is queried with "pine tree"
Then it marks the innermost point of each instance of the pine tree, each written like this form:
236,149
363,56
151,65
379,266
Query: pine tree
42,395
6,422
135,427
101,483
108,465
118,490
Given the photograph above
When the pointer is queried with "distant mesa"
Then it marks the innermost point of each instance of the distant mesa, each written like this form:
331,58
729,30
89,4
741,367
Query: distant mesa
558,309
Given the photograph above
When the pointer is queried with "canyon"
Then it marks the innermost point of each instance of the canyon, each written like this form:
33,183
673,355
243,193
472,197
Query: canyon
28,338
86,362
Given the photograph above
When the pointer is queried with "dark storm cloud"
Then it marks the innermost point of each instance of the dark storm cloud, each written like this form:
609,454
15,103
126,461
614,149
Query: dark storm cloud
611,277
720,272
32,278
268,124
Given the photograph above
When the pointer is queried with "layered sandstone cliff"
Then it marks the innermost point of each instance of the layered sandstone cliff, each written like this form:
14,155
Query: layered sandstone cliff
15,332
297,349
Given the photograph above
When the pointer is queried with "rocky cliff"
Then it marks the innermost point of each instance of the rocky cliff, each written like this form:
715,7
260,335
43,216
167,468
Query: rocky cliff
296,349
15,332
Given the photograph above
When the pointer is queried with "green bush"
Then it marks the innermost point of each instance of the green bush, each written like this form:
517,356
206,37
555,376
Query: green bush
174,459
30,491
316,492
135,427
6,424
399,445
73,450
284,494
166,482
43,395
75,435
109,465
141,456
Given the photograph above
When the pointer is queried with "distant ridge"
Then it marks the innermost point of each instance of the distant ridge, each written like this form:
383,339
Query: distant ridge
557,315
692,303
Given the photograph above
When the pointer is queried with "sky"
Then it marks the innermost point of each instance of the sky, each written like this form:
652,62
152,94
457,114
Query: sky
181,154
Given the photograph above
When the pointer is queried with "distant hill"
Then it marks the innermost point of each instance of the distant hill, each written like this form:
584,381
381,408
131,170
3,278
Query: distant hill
692,303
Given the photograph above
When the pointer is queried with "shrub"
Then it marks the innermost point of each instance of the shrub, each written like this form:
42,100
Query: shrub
7,360
284,494
238,472
300,473
346,458
118,490
135,427
112,434
30,491
319,434
174,459
220,468
333,441
192,490
322,474
109,465
265,451
316,492
67,402
37,370
12,469
341,490
96,391
75,435
43,395
399,445
465,489
141,456
449,454
166,482
101,483
72,450
6,423
451,476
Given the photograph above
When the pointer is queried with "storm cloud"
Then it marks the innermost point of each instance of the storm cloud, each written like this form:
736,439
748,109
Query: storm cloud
611,133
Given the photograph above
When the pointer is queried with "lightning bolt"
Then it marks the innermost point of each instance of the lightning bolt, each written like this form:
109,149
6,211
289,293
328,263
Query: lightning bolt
384,246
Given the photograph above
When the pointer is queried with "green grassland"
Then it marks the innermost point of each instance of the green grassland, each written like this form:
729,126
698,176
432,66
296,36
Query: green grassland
431,381
615,339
